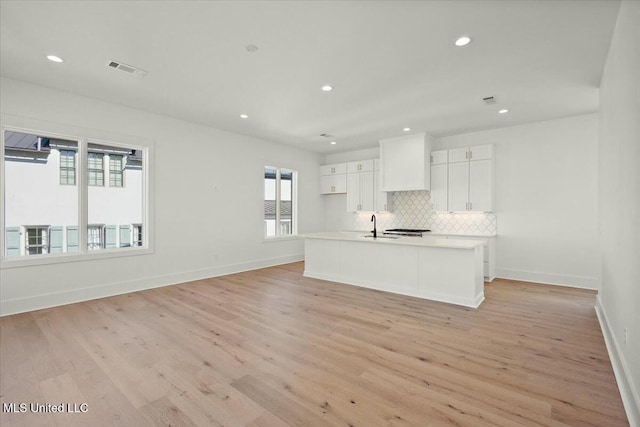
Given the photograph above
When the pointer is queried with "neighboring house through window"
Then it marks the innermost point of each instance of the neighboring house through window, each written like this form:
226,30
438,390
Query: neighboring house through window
40,186
279,202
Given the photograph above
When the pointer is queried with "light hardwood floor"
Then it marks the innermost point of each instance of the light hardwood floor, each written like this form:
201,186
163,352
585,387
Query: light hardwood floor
272,348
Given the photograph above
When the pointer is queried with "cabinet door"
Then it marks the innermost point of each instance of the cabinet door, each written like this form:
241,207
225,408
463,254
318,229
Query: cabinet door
333,184
458,155
337,168
367,191
439,157
439,187
458,186
481,186
481,152
353,192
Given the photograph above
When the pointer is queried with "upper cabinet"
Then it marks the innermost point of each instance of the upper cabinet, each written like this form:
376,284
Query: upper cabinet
333,178
439,180
360,186
405,163
363,187
470,179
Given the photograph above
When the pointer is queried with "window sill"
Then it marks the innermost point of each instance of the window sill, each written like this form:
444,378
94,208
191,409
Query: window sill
280,238
50,259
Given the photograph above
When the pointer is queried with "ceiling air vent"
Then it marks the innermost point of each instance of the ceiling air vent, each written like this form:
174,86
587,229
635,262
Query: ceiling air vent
489,100
127,68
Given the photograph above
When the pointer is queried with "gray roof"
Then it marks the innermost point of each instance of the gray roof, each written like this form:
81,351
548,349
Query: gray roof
20,140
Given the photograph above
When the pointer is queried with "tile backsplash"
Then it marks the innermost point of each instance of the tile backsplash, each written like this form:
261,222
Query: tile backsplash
412,209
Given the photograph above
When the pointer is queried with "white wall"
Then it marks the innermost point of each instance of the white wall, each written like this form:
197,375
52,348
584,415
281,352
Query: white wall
207,202
545,198
619,204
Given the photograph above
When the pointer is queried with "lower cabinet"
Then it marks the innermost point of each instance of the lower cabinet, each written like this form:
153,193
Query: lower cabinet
488,251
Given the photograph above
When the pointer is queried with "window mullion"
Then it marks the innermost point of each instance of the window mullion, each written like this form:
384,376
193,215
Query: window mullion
83,196
278,196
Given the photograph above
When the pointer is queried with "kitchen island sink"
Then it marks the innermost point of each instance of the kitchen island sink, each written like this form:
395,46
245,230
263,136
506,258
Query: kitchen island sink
448,270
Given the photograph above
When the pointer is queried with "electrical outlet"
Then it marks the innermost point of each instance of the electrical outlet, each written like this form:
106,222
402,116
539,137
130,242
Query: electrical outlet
215,257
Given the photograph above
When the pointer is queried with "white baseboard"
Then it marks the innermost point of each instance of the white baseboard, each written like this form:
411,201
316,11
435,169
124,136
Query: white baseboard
548,279
628,391
37,302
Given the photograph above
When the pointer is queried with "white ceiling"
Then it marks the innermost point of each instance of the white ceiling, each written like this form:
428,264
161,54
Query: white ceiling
393,64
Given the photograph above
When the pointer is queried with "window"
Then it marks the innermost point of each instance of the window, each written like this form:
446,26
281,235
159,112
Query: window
95,237
37,240
67,167
137,234
40,173
279,202
96,169
115,170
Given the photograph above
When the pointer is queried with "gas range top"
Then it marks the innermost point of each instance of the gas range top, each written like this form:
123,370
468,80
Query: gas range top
416,232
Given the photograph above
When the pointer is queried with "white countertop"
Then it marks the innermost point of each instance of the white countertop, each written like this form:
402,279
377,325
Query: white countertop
430,241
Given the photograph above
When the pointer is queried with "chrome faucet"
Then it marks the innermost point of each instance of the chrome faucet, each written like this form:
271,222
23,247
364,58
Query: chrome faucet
375,233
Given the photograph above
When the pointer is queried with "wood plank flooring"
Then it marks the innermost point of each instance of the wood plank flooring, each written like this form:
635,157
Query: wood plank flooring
271,348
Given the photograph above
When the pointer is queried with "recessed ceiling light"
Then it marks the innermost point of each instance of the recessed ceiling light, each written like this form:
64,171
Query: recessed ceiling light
327,88
406,129
503,111
463,41
333,143
244,116
54,58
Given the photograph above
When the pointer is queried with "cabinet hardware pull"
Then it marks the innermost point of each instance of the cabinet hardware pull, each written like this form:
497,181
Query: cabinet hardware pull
470,206
470,155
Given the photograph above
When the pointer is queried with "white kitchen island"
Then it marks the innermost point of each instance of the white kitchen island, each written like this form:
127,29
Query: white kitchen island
448,270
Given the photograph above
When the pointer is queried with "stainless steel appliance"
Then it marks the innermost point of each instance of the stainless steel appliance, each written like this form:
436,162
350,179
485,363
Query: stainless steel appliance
416,232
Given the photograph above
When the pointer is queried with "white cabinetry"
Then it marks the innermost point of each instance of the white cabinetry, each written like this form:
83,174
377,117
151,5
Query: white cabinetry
488,251
470,179
363,187
439,180
333,179
360,186
405,163
382,199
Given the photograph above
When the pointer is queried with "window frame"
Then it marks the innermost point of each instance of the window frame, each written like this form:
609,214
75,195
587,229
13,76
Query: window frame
42,246
68,168
101,234
84,137
95,171
116,172
294,204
